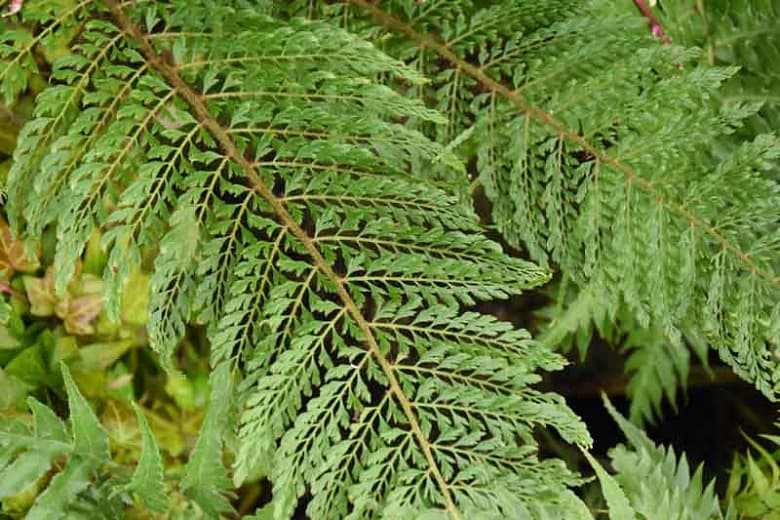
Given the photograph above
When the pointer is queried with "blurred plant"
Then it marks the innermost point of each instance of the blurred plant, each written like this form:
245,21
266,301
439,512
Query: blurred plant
754,484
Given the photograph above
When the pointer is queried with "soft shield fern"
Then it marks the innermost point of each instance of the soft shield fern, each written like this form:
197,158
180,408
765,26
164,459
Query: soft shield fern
593,141
655,483
271,163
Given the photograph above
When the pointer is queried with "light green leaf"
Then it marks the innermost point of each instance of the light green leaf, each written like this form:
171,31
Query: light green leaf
264,513
619,507
5,311
147,479
47,424
29,366
636,437
12,390
7,340
24,471
89,438
40,294
205,477
99,356
63,489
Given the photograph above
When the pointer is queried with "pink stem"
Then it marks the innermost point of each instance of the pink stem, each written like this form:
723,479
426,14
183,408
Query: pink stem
5,288
655,25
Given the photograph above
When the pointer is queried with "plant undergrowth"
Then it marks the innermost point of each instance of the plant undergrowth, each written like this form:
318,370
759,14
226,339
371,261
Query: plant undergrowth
332,260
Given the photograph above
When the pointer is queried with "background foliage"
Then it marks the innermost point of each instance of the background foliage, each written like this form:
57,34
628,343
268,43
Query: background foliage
244,274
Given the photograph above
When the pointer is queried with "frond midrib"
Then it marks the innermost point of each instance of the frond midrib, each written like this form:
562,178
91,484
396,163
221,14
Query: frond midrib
632,177
207,121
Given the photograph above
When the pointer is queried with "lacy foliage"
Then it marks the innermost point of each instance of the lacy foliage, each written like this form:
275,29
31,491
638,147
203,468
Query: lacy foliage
594,143
298,170
269,160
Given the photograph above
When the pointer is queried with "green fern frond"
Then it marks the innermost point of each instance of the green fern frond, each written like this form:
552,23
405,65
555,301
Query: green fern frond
45,444
592,141
658,484
736,33
205,477
73,473
657,367
617,502
754,481
272,166
90,440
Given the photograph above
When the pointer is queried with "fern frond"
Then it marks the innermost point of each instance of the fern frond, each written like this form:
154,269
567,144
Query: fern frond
658,484
17,52
617,502
737,33
75,477
20,469
657,367
90,440
594,147
754,481
272,166
28,455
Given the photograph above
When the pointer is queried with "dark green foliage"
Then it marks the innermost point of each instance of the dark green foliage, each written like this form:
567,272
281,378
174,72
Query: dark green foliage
655,482
594,143
273,172
296,177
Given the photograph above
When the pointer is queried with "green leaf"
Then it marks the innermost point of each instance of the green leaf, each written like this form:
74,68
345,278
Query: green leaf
29,366
5,312
62,491
635,435
47,424
264,513
618,504
29,466
41,295
147,480
7,340
24,471
205,476
90,440
657,483
12,390
100,356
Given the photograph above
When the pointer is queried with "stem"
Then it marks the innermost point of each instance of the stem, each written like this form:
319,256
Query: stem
548,120
209,122
655,25
7,289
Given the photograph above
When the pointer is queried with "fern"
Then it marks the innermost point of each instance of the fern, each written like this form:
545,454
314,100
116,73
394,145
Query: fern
205,479
736,33
754,481
593,142
657,368
28,455
147,479
298,171
74,475
653,483
268,159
